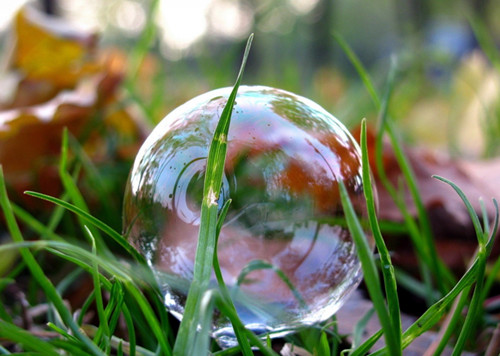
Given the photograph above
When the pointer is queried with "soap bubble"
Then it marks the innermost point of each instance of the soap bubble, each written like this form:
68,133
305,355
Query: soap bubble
284,250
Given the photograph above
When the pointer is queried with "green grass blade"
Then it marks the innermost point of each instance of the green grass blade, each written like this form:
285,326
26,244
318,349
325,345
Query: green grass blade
323,347
482,255
360,327
226,296
72,189
362,72
103,320
235,320
37,272
209,210
453,321
426,245
475,219
385,258
22,337
34,224
86,217
370,272
366,346
486,41
423,240
61,331
202,337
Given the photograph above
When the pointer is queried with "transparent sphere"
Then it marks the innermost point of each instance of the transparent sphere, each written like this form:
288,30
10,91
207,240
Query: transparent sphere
284,249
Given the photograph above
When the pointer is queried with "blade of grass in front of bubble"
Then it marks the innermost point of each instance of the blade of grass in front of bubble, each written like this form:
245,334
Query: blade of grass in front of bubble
94,221
239,332
37,272
201,342
235,320
385,258
370,272
208,220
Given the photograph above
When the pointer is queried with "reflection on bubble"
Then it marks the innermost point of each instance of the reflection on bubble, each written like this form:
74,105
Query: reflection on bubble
284,250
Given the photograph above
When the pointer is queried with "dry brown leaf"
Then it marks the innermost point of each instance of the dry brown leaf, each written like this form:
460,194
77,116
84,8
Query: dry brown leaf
64,81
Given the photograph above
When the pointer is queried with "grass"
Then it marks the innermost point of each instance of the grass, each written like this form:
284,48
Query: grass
129,314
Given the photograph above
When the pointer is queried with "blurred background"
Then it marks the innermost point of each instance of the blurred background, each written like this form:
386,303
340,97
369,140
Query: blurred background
184,48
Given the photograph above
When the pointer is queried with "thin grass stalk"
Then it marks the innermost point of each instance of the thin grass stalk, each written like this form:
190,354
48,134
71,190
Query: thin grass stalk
26,339
34,224
142,46
37,271
150,317
360,69
423,240
382,106
360,328
385,258
370,273
73,192
103,321
430,256
235,320
225,294
449,325
366,346
209,211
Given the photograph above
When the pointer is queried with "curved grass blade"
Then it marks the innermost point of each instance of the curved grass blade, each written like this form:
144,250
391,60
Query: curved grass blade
482,255
94,221
370,273
435,312
256,265
208,225
26,339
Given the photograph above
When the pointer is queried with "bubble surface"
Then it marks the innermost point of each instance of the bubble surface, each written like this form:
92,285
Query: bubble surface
284,250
